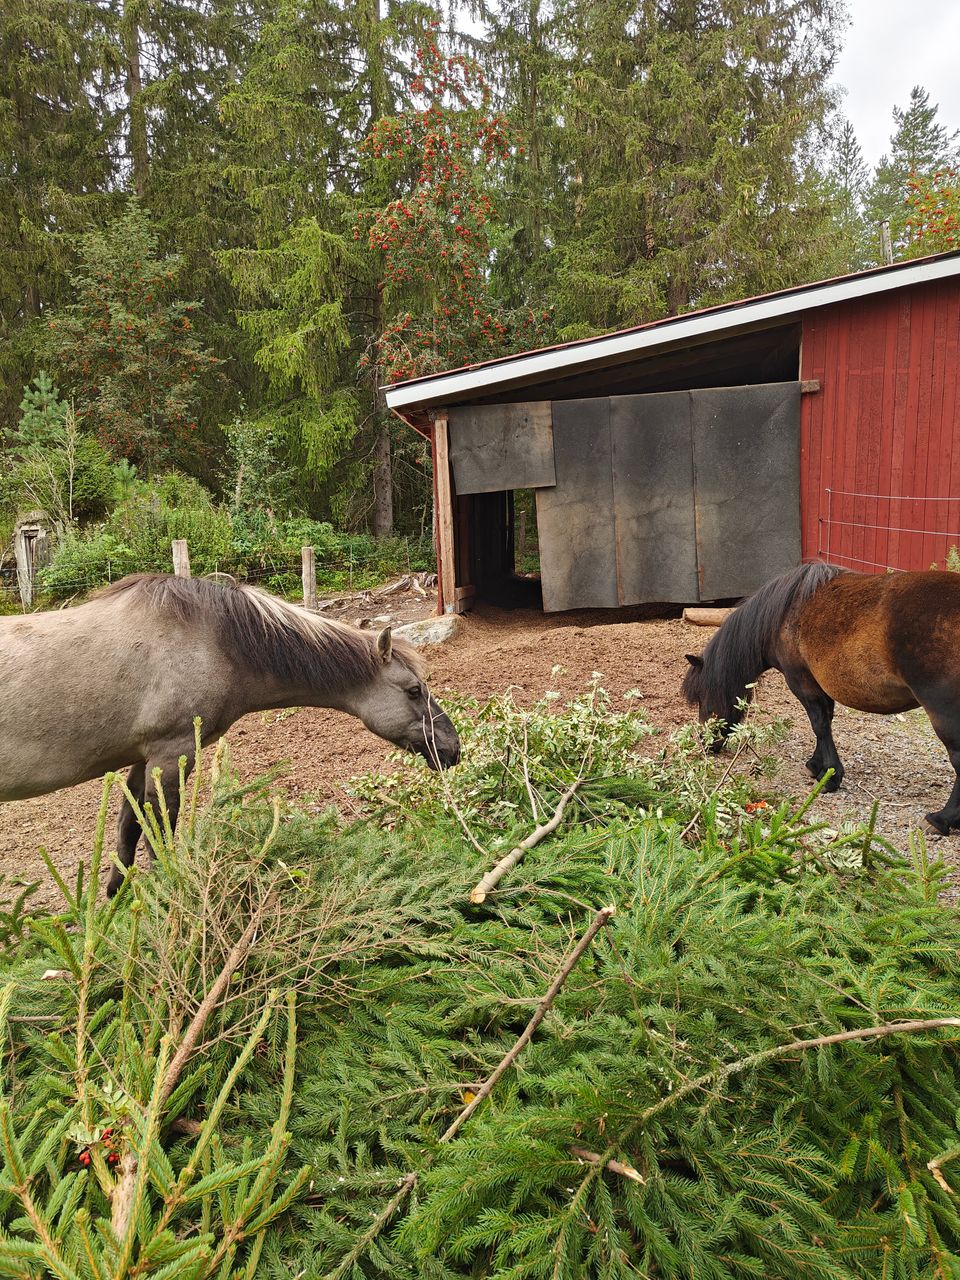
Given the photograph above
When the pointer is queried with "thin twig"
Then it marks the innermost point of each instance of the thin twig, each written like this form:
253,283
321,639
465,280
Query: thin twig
716,790
510,860
409,1182
508,1059
238,953
526,773
795,1046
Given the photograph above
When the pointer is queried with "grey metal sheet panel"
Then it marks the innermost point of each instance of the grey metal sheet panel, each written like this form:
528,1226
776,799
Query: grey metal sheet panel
501,446
653,497
578,561
746,454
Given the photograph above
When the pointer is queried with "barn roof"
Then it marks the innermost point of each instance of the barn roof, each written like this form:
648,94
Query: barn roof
490,377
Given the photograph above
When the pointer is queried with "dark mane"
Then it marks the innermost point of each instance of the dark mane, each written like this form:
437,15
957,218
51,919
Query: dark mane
739,651
265,634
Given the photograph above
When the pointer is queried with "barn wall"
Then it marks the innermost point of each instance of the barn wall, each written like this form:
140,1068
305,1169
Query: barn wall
880,441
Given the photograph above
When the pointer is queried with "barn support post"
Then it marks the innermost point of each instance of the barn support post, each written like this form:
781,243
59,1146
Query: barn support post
443,490
181,558
308,558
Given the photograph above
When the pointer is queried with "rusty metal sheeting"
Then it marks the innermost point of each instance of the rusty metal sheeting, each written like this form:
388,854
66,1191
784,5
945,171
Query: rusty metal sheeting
499,447
578,554
746,454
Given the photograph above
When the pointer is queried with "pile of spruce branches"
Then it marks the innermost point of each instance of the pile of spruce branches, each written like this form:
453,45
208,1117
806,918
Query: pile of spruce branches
273,1055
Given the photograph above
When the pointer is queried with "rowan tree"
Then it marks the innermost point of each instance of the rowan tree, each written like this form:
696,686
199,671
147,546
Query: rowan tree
933,205
436,240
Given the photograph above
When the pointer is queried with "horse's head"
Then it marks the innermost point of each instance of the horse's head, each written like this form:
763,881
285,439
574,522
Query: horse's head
711,702
398,706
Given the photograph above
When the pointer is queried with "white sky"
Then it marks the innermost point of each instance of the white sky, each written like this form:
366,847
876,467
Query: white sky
889,47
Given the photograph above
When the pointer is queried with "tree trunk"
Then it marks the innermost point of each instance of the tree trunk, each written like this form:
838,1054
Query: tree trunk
371,26
139,150
382,479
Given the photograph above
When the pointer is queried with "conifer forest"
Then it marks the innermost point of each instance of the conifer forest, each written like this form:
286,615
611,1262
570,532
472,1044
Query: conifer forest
597,1003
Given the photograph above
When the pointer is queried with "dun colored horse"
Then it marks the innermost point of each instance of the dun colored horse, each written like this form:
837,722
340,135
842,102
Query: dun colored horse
118,681
882,643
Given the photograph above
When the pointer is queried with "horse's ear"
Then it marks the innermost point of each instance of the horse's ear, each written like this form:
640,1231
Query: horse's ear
693,659
385,645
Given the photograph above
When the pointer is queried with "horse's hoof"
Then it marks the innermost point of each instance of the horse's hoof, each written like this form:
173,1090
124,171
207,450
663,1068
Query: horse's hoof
833,782
936,821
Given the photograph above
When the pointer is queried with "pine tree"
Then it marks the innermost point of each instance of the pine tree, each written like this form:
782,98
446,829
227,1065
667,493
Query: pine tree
919,146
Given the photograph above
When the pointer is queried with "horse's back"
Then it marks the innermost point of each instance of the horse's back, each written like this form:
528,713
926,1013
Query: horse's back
875,641
84,690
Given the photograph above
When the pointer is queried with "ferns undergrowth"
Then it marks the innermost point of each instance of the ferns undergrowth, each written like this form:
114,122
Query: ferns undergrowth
372,1000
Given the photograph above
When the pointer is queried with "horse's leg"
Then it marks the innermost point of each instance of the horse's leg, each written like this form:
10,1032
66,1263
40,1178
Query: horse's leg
143,787
167,761
946,725
128,828
819,708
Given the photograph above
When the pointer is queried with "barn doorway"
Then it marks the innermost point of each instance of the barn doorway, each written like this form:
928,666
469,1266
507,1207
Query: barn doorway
676,496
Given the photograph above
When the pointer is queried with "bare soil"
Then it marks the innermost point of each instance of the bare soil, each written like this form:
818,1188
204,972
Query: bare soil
894,760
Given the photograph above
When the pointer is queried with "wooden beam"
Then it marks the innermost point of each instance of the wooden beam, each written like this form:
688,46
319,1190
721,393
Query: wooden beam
706,617
443,492
809,385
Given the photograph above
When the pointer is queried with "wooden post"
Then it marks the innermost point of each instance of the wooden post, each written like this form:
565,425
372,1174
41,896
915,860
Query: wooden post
444,492
308,558
181,558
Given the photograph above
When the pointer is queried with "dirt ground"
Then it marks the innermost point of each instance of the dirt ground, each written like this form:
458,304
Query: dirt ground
895,760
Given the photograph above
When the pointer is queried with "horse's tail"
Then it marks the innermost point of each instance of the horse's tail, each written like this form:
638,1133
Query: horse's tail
740,650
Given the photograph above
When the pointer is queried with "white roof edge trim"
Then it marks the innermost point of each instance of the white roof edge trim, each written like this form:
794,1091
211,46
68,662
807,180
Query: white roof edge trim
450,385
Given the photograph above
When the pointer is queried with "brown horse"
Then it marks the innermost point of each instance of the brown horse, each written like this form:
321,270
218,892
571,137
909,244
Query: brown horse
118,681
882,643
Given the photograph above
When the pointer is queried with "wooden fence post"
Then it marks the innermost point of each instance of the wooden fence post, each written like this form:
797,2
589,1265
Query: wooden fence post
308,556
181,558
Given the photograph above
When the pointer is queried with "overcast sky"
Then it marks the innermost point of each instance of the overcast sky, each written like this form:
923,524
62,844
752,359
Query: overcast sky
889,47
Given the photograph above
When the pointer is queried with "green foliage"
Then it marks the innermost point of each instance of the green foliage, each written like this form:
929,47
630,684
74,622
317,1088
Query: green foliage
253,544
666,209
672,1048
125,347
52,464
919,146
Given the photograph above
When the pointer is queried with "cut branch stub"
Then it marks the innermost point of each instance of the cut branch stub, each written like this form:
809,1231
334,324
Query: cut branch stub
510,860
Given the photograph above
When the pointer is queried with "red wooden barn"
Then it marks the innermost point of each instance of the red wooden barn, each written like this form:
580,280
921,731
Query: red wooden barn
696,457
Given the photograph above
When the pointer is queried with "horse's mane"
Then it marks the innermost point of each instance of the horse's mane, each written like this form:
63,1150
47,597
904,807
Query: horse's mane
740,650
265,634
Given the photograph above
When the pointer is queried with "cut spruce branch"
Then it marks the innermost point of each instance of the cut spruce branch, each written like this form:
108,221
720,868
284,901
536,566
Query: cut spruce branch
509,861
615,1166
409,1181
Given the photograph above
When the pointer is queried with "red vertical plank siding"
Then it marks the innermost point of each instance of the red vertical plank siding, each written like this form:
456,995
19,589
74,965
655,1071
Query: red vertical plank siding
882,435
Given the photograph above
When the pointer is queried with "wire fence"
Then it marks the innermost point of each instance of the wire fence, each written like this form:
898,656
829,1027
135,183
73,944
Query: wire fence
888,531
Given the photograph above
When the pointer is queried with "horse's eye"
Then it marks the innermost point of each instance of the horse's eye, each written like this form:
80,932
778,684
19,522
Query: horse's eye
413,691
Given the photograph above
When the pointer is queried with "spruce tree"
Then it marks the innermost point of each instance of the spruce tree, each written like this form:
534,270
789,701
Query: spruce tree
126,348
322,74
55,143
687,131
